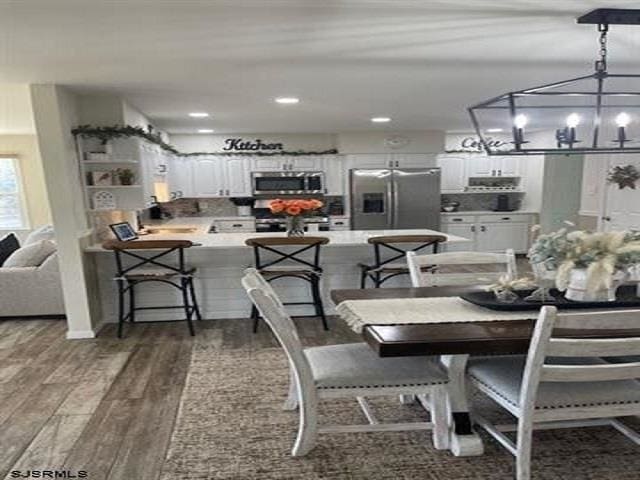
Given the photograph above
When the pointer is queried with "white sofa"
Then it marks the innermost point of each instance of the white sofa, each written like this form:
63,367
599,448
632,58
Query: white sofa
31,291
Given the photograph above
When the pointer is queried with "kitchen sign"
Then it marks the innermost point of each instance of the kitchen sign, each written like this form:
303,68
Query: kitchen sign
473,144
242,145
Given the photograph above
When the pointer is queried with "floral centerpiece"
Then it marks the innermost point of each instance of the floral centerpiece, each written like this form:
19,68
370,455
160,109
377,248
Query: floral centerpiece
589,266
295,211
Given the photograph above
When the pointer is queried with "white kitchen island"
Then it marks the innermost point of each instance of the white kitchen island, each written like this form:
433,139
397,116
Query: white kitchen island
220,260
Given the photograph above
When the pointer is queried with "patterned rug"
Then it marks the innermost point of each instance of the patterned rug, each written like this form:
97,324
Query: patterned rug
231,426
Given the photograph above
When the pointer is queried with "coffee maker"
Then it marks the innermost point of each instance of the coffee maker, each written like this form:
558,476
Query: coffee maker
504,204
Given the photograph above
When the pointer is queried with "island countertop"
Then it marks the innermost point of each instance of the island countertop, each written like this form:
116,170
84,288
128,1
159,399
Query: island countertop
236,240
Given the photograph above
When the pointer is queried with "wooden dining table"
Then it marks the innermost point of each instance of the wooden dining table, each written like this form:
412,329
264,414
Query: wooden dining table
454,343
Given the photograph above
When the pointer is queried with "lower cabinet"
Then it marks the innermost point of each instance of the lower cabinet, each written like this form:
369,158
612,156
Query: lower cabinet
489,233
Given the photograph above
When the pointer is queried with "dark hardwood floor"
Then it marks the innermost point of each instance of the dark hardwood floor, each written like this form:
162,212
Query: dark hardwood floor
107,406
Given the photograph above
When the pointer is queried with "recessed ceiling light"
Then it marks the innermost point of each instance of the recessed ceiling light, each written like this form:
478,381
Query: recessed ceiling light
199,114
494,130
287,100
205,130
380,119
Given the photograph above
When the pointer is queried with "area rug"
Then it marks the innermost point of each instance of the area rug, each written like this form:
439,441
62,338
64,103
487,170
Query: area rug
231,426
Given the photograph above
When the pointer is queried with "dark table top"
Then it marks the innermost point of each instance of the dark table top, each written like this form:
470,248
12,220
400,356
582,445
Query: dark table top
475,338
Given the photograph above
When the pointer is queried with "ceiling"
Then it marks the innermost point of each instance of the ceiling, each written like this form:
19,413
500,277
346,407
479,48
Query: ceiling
420,62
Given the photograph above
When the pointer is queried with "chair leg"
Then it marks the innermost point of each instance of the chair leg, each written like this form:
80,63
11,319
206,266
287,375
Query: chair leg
523,450
187,309
194,302
317,301
132,303
377,280
255,315
440,419
291,403
120,307
308,428
363,278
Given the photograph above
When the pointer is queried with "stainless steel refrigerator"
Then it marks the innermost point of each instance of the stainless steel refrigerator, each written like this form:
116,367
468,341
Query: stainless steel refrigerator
402,198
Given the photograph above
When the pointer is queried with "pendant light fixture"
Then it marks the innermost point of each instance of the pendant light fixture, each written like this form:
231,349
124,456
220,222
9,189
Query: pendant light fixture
596,113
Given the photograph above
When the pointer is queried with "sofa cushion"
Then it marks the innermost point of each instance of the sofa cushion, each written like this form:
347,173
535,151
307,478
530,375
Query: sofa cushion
356,365
31,255
44,232
8,245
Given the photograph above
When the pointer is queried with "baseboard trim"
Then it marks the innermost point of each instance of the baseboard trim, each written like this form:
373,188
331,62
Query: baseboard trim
80,334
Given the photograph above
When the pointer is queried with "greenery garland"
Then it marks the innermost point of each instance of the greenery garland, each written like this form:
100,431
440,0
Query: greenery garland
104,134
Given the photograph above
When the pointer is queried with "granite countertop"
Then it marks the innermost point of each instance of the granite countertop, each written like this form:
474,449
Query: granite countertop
236,240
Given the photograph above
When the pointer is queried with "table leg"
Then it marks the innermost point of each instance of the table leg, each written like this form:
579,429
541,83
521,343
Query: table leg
464,441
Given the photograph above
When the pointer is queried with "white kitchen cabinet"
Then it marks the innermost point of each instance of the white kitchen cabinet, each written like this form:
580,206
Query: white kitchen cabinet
208,177
498,237
490,232
368,161
236,177
279,163
412,160
486,166
453,177
334,175
180,177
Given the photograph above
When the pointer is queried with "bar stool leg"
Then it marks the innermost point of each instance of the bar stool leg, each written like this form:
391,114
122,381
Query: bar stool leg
132,302
317,300
377,280
363,278
120,307
194,302
187,310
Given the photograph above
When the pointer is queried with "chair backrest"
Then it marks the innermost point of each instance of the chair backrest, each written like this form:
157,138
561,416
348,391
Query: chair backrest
389,248
505,263
160,248
303,252
552,338
271,309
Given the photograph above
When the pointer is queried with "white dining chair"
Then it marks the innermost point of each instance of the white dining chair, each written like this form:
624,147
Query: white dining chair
563,382
505,264
348,370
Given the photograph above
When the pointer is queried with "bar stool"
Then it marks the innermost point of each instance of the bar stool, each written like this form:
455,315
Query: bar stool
386,252
153,268
305,267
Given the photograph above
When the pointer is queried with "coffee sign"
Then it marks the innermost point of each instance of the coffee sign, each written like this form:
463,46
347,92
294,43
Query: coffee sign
473,144
242,145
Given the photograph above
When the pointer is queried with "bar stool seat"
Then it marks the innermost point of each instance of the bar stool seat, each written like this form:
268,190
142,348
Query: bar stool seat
292,264
152,267
384,269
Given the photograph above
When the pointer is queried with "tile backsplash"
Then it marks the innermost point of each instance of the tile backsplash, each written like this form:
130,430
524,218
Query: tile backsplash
481,201
200,207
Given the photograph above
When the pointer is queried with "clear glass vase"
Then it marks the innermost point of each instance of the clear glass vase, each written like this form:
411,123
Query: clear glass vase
295,226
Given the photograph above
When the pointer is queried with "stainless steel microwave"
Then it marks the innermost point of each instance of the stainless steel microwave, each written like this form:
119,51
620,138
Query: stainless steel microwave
287,183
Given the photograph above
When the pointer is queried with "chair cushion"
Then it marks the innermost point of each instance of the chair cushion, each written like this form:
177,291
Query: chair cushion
503,376
356,365
8,245
155,272
31,255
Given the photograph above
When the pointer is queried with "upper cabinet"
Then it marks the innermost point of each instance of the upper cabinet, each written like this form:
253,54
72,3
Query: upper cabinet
335,174
180,177
237,178
486,166
279,163
210,176
392,160
453,173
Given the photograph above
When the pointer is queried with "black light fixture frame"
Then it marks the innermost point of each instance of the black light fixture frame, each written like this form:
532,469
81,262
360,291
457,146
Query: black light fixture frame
602,17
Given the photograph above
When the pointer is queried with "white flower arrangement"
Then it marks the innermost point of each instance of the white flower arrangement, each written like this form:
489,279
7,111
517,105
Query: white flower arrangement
602,254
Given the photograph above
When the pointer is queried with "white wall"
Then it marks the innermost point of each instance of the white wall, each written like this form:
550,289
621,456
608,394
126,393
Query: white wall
16,116
423,141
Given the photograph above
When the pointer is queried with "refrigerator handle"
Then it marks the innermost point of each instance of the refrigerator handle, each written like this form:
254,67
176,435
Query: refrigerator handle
396,214
391,213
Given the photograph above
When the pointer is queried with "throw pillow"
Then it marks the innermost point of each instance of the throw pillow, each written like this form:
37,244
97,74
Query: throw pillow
8,245
44,232
31,255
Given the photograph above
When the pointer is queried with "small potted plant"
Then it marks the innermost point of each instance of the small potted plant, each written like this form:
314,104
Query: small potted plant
125,176
295,211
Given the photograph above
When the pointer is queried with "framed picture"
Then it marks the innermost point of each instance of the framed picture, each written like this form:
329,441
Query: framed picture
123,231
101,178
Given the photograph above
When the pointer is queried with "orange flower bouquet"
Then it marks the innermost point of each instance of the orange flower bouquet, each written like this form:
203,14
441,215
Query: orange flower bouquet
295,210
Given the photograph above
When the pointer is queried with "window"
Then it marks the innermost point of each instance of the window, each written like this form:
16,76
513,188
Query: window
12,209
